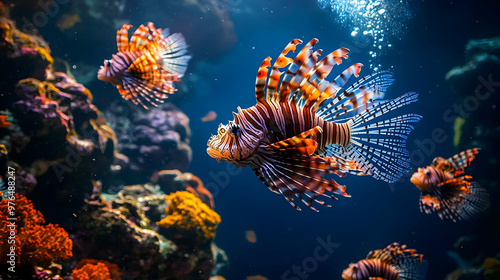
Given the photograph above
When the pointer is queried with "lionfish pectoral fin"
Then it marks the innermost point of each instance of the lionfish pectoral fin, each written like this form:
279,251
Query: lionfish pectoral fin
289,168
347,164
173,51
455,199
407,262
412,269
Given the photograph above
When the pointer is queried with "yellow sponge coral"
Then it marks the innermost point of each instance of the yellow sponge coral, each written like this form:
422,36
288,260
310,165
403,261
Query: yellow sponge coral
188,215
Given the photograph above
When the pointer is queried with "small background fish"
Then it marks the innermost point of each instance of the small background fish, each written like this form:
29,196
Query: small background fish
447,191
393,262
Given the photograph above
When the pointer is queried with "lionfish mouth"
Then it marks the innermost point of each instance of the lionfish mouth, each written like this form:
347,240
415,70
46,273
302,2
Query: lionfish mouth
212,150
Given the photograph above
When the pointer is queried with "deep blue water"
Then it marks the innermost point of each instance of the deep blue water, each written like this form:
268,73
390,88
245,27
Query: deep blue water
377,213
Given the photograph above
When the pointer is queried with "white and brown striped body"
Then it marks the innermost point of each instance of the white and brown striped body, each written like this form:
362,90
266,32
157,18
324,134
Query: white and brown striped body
271,122
112,71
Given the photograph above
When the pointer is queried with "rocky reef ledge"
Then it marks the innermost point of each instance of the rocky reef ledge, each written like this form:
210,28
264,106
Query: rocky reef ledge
155,222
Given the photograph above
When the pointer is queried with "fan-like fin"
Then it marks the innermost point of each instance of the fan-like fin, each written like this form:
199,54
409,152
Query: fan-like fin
289,168
378,145
455,199
354,99
457,163
173,51
407,262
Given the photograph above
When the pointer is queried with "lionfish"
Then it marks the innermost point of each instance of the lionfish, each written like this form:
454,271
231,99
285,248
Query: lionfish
447,191
394,262
145,68
308,127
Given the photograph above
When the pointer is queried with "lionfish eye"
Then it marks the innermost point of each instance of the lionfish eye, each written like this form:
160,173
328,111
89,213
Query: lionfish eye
235,130
108,63
221,130
427,173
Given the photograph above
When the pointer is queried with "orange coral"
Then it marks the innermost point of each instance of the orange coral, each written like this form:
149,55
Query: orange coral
256,277
89,271
187,215
195,186
3,121
114,271
217,277
35,244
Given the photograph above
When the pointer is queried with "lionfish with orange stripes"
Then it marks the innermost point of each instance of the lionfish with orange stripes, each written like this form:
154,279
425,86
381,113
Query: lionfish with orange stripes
394,262
308,127
447,191
145,68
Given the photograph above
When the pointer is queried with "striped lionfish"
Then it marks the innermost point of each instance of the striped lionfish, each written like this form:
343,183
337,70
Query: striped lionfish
145,68
391,263
308,127
447,191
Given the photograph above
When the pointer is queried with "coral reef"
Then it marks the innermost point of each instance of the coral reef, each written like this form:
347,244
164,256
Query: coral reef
489,270
65,153
89,269
152,141
477,84
51,272
188,217
121,229
62,141
105,233
56,140
174,180
28,54
217,277
34,244
256,277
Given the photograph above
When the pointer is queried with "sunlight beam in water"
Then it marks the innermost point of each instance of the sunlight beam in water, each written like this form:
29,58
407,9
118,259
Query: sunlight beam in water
380,20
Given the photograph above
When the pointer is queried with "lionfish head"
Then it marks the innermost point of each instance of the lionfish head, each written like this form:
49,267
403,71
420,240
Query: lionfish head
423,178
110,71
232,143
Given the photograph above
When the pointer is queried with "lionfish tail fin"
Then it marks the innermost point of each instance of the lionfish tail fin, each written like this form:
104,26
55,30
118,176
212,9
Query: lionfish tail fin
288,167
173,50
378,143
455,199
